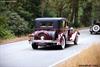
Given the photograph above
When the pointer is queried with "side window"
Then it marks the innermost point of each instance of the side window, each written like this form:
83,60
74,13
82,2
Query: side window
66,24
63,24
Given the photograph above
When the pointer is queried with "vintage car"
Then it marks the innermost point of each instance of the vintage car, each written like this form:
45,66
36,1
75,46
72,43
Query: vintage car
95,27
52,31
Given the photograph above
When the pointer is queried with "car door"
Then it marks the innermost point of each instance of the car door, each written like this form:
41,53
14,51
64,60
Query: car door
66,28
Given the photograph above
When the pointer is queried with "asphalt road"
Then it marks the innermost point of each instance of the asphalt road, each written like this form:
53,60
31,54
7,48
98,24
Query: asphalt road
20,54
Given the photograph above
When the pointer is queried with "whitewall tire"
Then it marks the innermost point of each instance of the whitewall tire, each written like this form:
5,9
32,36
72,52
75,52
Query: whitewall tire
96,28
63,43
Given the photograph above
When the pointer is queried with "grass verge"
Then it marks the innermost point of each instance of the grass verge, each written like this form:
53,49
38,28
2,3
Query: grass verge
88,58
16,39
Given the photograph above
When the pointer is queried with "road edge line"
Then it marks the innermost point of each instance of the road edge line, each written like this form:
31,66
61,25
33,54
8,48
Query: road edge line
69,57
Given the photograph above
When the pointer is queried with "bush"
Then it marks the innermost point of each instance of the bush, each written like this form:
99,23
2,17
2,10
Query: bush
4,32
17,24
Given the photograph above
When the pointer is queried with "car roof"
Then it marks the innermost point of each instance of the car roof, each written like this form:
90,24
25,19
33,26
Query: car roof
48,19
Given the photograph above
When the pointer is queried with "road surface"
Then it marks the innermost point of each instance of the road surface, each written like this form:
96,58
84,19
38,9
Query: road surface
20,54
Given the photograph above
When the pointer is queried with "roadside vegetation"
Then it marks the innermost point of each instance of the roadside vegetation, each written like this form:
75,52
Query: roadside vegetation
17,16
90,57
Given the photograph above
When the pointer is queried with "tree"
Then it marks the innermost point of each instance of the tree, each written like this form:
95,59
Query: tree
59,6
96,9
5,33
74,12
17,24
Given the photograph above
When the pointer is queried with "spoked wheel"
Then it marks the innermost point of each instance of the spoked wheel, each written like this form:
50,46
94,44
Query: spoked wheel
96,28
63,43
76,40
34,46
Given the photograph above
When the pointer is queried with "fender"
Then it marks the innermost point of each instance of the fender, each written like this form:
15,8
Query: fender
74,36
59,38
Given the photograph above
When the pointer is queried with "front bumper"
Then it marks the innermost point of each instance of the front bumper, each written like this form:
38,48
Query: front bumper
94,31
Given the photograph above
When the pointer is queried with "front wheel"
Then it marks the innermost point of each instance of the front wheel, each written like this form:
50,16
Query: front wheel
96,28
34,46
91,32
63,43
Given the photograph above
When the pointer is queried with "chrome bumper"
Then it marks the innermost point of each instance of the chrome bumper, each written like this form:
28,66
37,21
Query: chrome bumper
42,41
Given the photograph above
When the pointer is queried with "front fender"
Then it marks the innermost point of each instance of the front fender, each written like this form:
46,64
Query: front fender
74,35
59,39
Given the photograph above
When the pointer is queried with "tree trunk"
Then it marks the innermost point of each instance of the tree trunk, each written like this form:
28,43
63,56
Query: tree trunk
74,13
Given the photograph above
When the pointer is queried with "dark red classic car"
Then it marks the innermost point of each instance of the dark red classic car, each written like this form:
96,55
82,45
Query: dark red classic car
52,31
